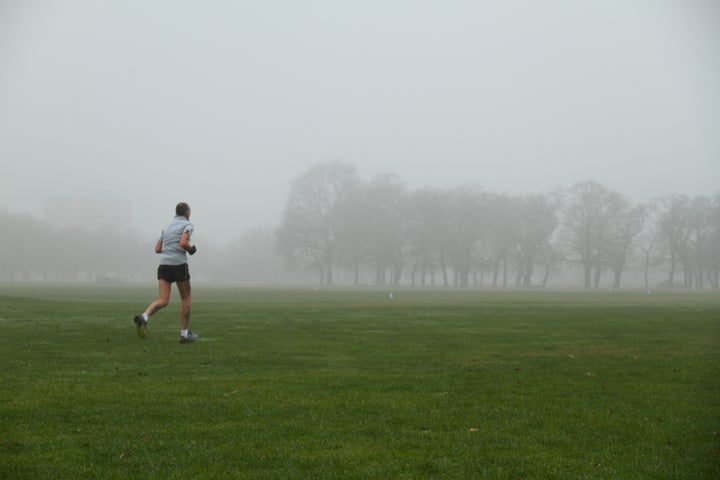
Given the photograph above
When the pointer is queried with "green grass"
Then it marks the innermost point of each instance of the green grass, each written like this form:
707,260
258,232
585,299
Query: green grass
347,384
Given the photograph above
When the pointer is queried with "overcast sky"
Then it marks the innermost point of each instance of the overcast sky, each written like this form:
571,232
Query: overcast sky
223,103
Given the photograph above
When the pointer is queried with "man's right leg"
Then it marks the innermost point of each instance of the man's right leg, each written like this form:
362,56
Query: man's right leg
154,307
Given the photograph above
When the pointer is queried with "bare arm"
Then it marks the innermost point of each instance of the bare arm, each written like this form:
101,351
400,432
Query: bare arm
158,246
185,243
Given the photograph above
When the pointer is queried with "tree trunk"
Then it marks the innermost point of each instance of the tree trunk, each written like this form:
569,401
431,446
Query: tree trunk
396,275
546,276
700,276
647,265
596,277
380,276
329,277
505,272
673,265
444,270
527,276
464,275
587,267
619,267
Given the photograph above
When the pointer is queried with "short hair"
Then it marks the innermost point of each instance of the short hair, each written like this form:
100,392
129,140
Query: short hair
182,208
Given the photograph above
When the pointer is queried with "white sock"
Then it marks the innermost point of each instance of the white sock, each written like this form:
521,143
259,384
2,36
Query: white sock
145,316
183,333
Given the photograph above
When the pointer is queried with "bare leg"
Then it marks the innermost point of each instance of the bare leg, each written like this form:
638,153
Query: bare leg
184,289
162,301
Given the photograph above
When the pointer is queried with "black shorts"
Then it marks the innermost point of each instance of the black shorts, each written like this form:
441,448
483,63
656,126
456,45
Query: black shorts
174,273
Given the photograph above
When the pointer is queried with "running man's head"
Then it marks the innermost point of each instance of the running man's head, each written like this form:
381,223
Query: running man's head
182,209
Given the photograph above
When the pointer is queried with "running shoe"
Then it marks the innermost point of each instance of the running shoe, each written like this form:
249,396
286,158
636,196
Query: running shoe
141,324
190,338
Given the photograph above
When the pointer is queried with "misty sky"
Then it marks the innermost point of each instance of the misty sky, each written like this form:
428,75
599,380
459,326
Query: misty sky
223,103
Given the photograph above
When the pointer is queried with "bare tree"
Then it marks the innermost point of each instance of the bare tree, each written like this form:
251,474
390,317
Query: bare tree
386,223
468,222
628,222
499,237
689,233
534,220
702,242
713,259
311,224
428,225
673,224
649,243
550,261
353,242
589,216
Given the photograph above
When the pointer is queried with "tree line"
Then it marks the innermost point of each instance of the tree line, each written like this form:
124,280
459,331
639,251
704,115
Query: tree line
31,250
338,229
467,236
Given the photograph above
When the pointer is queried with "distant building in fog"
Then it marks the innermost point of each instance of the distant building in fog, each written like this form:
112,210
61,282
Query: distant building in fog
88,211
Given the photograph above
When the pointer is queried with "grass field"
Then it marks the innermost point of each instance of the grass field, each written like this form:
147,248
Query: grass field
349,384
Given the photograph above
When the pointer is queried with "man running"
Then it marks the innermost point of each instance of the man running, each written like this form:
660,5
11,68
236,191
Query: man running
173,247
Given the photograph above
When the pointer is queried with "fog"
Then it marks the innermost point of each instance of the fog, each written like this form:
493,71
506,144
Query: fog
137,105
